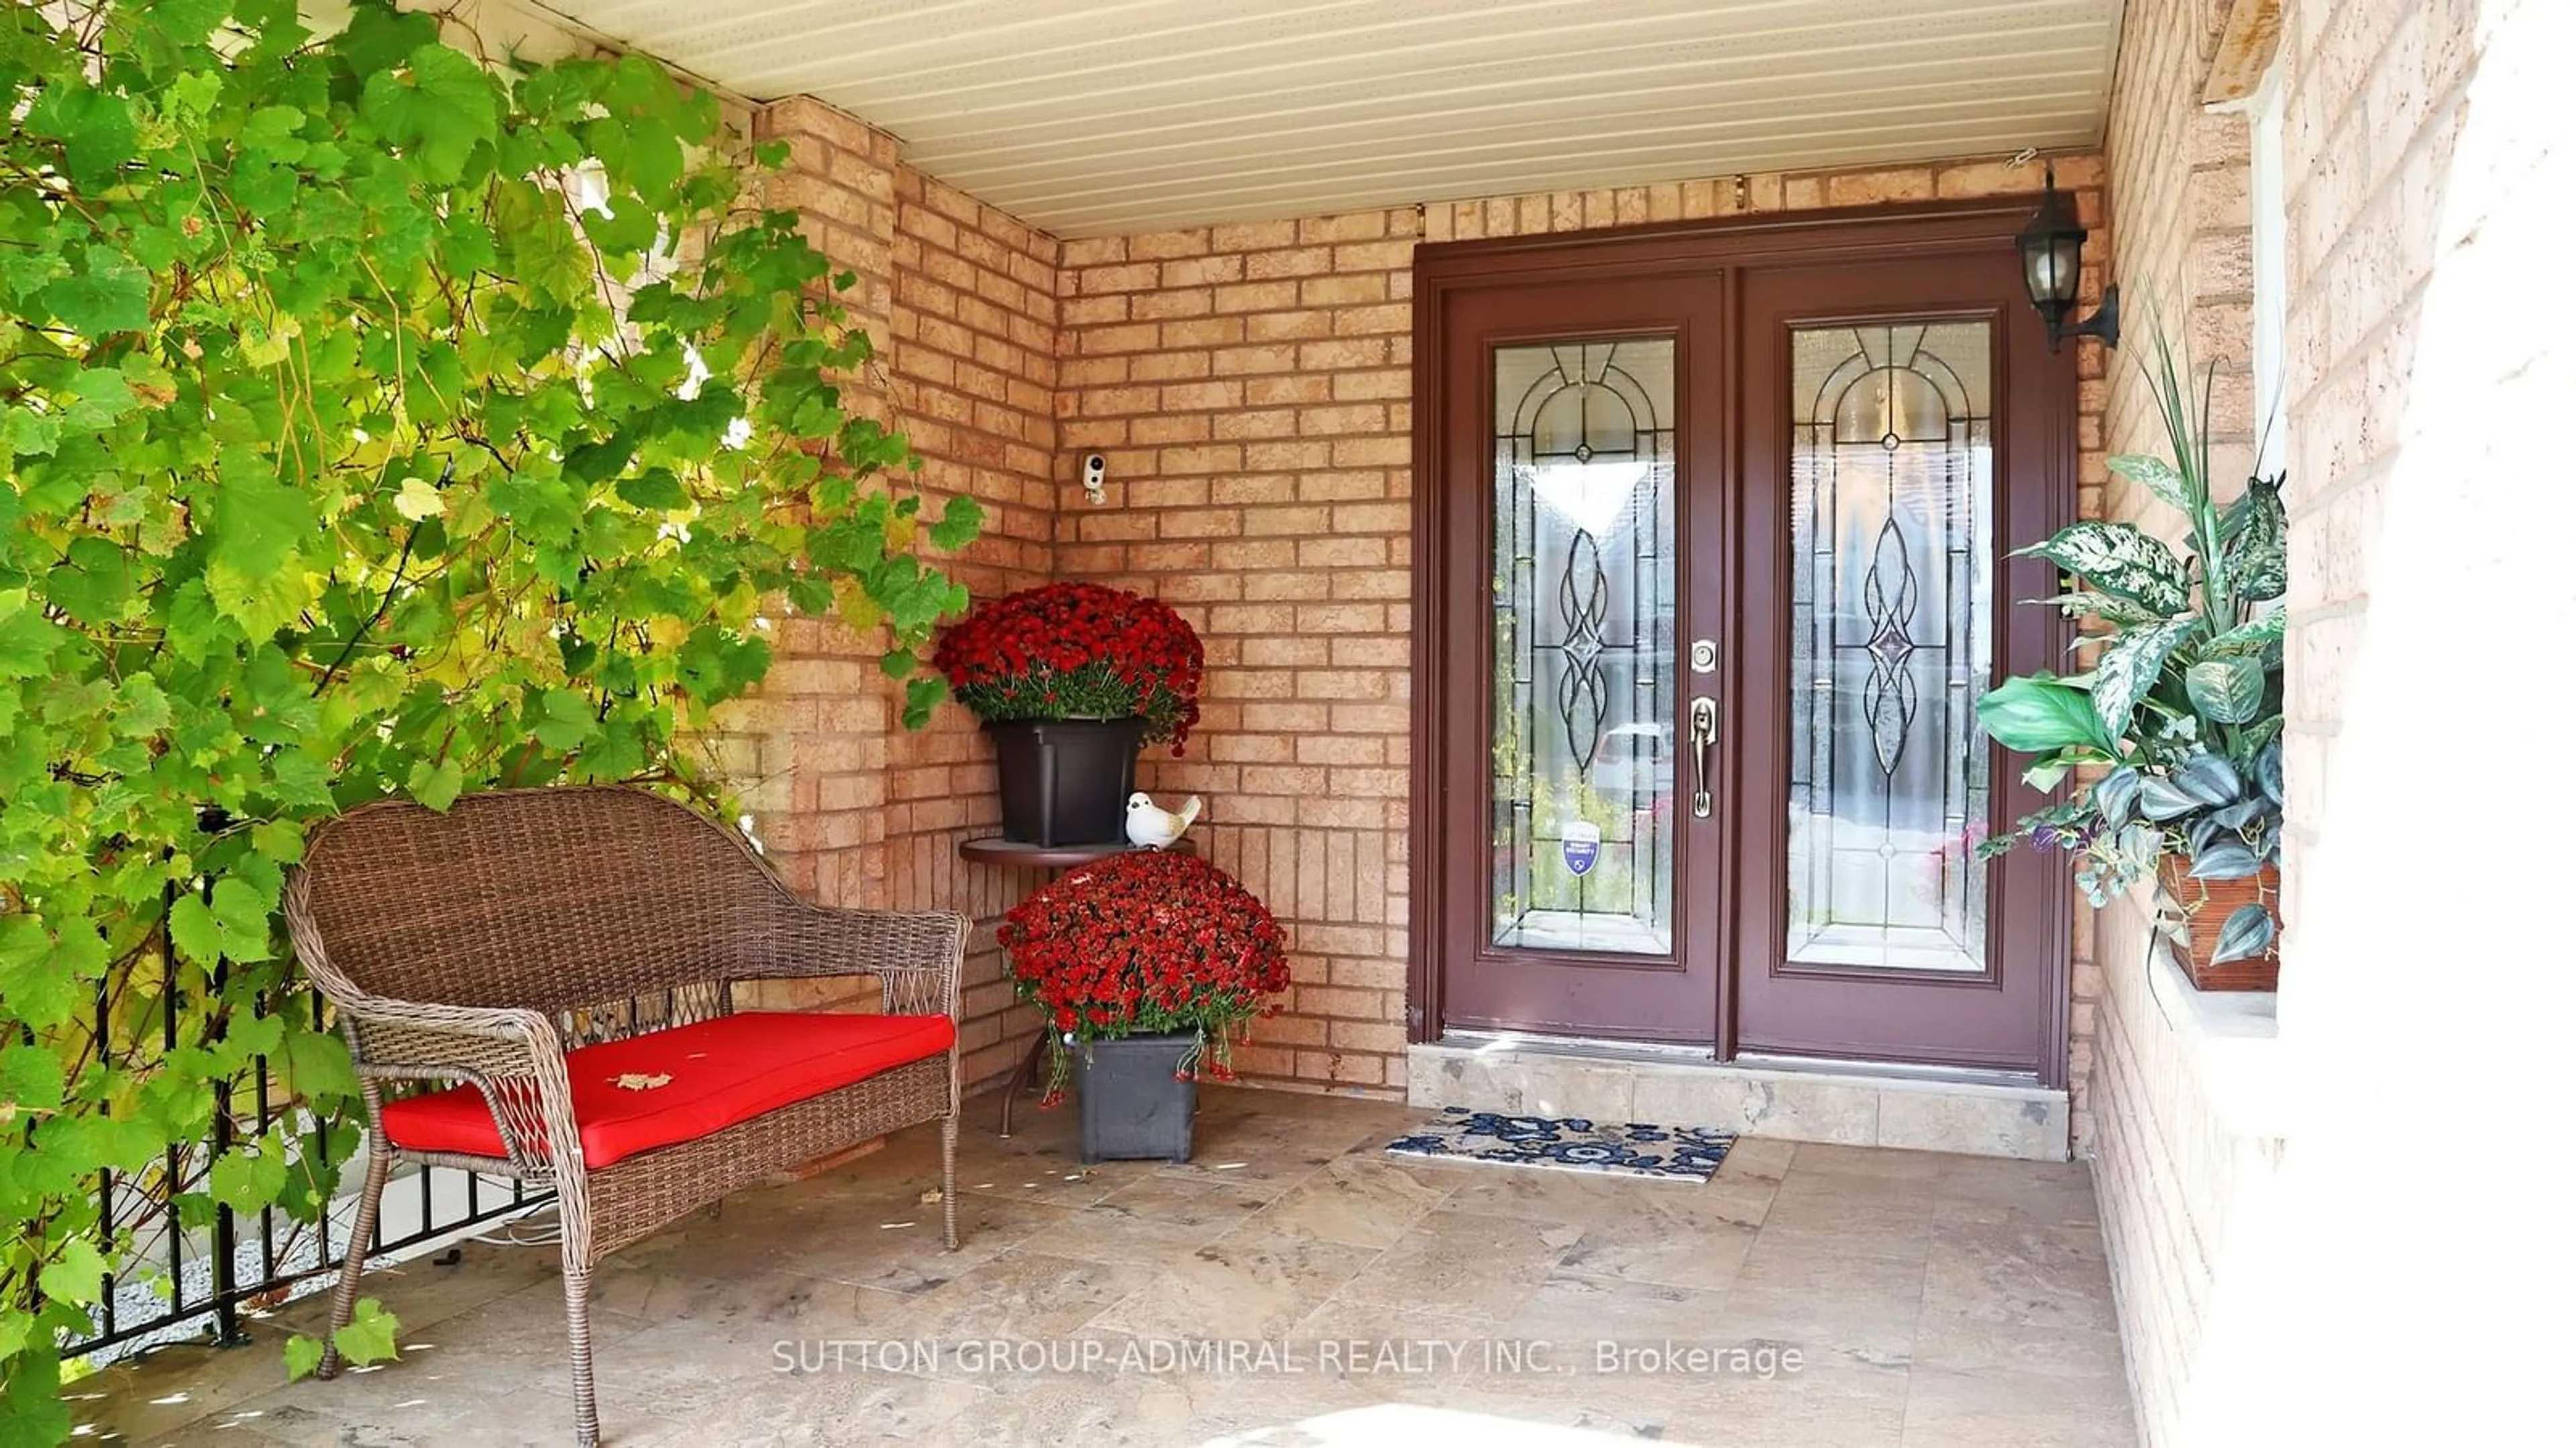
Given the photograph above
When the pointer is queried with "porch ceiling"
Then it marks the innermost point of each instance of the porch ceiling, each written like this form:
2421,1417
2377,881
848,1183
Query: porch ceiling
1094,117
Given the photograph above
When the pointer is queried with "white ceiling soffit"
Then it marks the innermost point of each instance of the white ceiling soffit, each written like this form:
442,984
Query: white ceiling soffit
1095,117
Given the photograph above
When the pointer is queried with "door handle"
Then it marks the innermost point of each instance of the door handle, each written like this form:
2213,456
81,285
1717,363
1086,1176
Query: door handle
1703,737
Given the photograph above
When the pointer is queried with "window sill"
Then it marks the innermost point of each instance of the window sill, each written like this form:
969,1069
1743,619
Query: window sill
2231,1039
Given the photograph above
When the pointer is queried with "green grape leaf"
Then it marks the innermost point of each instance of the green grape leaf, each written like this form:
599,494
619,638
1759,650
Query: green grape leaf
655,489
194,931
258,521
437,783
48,979
260,602
232,924
107,296
31,1080
94,583
30,433
920,696
566,719
438,105
317,1065
77,1272
246,1177
94,124
31,1400
959,524
270,136
97,397
142,707
369,1337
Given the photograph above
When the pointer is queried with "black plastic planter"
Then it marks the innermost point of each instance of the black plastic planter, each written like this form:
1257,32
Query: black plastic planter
1133,1108
1066,781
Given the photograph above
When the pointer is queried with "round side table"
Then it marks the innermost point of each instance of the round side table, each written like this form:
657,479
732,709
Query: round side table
1017,854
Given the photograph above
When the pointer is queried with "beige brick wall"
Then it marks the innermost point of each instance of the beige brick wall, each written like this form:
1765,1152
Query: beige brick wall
2166,1169
2374,115
2242,1262
974,366
2179,177
1250,387
2430,148
961,302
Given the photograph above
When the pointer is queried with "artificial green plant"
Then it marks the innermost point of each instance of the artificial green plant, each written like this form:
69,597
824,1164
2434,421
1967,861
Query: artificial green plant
2182,707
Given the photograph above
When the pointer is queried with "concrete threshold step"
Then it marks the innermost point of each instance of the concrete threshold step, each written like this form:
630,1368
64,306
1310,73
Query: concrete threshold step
1922,1111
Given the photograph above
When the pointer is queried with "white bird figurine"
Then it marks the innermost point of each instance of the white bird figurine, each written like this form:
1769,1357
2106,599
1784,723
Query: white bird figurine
1155,828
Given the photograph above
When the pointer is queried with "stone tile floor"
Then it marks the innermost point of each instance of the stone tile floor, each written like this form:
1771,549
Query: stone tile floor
1930,1300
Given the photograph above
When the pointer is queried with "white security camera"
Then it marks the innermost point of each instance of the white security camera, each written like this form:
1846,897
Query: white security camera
1095,477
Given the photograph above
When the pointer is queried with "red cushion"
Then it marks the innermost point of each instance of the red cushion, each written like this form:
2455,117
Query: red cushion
722,1071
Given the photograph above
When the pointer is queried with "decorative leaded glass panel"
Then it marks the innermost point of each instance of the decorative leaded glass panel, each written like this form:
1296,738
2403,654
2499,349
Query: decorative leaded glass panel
1891,629
1583,710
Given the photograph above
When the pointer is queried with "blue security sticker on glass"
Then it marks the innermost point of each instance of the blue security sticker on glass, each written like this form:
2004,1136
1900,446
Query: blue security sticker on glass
1582,847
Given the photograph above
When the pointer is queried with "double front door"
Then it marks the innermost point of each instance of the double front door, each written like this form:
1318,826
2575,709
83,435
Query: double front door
1714,573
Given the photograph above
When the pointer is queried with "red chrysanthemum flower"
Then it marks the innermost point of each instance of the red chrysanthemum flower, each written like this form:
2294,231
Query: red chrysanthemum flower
1077,651
1150,942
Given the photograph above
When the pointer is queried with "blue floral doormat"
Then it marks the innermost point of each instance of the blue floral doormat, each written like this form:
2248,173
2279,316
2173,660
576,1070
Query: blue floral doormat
1569,1143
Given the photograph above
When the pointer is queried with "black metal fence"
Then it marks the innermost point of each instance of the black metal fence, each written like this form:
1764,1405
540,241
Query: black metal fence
219,1270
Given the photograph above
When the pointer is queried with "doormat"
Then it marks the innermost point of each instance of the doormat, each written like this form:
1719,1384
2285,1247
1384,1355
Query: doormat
1569,1143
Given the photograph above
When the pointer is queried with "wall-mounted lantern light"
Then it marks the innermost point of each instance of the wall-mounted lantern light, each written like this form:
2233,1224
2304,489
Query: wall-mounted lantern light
2052,267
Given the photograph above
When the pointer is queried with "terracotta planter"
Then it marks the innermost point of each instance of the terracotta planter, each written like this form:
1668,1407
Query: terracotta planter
2205,906
1066,781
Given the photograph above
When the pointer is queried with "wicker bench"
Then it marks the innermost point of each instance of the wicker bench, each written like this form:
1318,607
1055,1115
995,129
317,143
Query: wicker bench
546,955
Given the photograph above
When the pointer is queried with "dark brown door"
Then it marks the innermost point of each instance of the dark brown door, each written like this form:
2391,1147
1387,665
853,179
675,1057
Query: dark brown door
1586,444
1712,571
1897,442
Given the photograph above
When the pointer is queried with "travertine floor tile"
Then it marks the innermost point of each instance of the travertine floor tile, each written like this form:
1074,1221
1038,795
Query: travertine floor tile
2030,1410
1366,1201
1255,1282
1474,1266
2044,1276
1929,1299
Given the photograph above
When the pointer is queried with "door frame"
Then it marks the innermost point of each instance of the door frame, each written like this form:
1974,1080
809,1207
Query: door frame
1444,269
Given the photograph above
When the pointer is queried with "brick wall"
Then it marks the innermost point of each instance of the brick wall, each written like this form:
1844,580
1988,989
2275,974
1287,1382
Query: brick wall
961,302
1250,387
973,359
2430,148
2418,143
2179,174
2369,136
2167,1168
